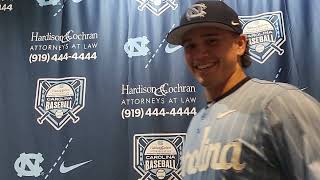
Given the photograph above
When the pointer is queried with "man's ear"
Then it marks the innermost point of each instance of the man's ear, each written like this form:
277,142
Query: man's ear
242,44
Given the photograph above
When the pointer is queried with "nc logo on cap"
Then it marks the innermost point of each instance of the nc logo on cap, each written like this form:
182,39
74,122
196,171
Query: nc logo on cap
196,10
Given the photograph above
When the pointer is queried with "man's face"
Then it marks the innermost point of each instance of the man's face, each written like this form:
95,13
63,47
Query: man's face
213,54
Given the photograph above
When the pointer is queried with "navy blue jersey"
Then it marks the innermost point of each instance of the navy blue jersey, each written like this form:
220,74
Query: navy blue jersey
260,130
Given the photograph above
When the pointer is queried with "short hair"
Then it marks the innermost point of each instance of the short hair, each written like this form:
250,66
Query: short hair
245,59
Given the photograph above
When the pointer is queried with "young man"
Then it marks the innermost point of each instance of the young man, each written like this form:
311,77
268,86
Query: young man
250,129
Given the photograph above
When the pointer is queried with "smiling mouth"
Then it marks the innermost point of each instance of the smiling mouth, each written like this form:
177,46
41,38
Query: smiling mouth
205,66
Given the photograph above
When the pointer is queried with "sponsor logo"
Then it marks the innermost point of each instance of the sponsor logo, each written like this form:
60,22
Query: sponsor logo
29,164
48,47
136,46
58,100
235,23
196,11
171,48
265,33
157,7
168,49
64,38
63,169
157,156
162,90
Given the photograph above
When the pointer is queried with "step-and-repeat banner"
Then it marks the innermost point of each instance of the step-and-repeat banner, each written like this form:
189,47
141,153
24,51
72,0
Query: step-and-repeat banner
90,89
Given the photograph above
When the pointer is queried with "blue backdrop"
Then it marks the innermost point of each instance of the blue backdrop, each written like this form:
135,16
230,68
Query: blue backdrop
90,89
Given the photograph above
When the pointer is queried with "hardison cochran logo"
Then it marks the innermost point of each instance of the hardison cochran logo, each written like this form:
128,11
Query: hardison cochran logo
157,7
158,156
162,90
57,42
266,34
58,100
50,47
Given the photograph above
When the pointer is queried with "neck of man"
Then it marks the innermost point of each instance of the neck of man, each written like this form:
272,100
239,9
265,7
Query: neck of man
213,93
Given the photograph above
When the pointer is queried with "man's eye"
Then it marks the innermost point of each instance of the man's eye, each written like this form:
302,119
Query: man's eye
188,46
212,41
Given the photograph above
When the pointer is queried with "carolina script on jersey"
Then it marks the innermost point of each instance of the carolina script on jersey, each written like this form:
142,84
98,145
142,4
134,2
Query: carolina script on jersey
212,155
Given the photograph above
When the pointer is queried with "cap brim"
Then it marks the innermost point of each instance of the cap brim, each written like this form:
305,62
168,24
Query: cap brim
176,35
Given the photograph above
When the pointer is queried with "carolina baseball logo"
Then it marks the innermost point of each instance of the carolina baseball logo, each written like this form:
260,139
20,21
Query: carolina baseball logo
58,100
265,33
157,156
157,7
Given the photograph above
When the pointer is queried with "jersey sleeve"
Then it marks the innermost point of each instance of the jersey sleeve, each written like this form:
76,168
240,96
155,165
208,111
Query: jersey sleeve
294,123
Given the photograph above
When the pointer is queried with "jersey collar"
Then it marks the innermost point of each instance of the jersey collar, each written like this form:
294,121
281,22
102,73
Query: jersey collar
230,91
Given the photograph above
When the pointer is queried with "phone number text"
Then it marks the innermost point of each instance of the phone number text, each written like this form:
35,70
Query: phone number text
61,57
6,7
141,113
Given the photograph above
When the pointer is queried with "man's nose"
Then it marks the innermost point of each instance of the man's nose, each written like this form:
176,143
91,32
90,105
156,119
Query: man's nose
201,53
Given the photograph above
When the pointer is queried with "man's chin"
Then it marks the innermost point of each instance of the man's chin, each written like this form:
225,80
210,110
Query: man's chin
203,82
206,83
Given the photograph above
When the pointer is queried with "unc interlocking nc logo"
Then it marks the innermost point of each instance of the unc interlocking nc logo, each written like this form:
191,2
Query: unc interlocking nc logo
137,46
52,2
58,3
265,33
48,2
157,7
196,10
58,100
29,164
